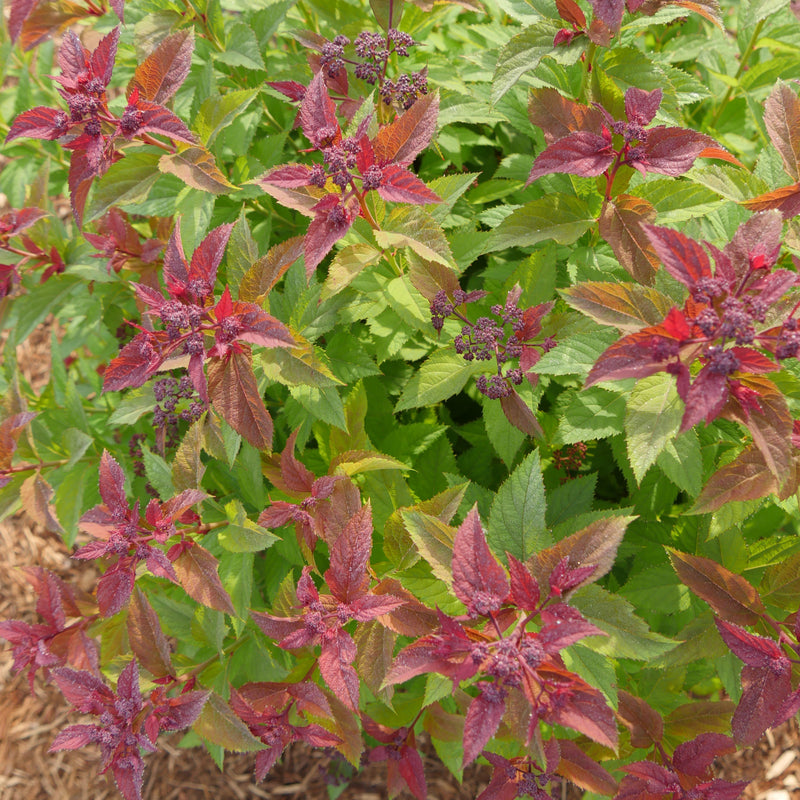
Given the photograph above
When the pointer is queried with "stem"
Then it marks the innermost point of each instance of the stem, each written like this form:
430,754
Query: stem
748,51
226,651
148,139
41,465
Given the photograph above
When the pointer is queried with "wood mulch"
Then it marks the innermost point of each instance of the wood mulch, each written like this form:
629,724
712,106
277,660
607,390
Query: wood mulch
28,723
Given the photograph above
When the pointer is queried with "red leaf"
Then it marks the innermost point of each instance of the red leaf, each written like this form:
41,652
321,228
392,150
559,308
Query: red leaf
81,176
706,398
631,357
10,431
208,255
409,134
336,656
176,268
331,223
571,12
695,757
722,154
292,89
756,245
19,11
160,120
39,123
609,12
782,121
277,628
730,595
579,153
118,7
524,588
161,74
112,486
347,576
398,185
371,606
765,691
583,770
73,737
258,327
104,55
114,590
88,693
483,719
180,712
296,476
318,114
234,392
672,151
291,176
584,710
413,772
786,200
683,257
197,572
755,651
73,59
519,414
136,362
641,106
478,579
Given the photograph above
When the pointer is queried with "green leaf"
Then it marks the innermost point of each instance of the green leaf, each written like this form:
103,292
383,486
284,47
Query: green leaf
433,540
576,355
522,54
443,374
158,472
591,414
136,403
219,725
410,226
127,181
571,499
30,310
596,669
653,417
517,519
346,265
628,635
242,48
322,402
505,438
682,462
557,216
243,535
236,574
218,111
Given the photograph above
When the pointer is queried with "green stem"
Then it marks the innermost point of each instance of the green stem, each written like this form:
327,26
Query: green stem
751,46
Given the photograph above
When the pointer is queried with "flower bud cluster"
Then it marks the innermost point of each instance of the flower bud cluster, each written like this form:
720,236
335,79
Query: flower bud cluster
501,339
570,458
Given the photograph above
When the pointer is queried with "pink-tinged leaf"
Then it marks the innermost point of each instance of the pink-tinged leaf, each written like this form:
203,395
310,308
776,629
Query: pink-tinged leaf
609,12
136,362
74,736
234,393
747,477
162,121
596,545
112,486
296,476
208,255
290,176
196,167
22,218
695,757
318,114
707,396
36,494
659,779
524,589
771,427
558,116
47,20
197,572
10,431
709,9
621,224
82,652
176,268
579,153
118,7
371,606
755,651
571,12
641,106
782,121
399,185
39,123
409,134
129,776
764,692
520,415
73,58
683,257
88,693
721,154
277,628
413,772
645,725
672,151
584,710
302,198
626,306
104,55
81,176
786,200
730,595
147,639
426,655
335,659
331,223
114,590
180,712
347,576
478,579
258,327
291,89
583,770
19,11
483,719
161,74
